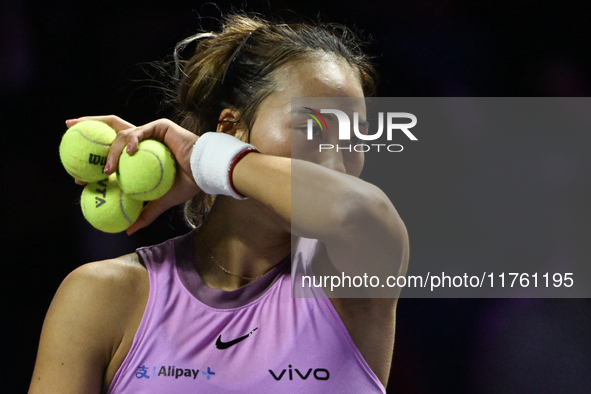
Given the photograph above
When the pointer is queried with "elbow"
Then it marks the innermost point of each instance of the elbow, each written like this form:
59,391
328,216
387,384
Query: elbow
370,212
371,222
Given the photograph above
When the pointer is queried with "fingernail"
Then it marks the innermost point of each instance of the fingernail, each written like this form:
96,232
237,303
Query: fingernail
107,169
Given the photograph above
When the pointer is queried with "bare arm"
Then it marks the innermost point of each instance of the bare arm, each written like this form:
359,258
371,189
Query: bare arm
354,219
84,327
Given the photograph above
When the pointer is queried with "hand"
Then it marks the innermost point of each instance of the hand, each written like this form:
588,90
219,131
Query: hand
178,140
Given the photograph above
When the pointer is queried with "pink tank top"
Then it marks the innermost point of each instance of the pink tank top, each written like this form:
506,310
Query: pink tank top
256,339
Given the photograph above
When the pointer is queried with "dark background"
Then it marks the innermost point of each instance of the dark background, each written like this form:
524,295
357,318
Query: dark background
65,59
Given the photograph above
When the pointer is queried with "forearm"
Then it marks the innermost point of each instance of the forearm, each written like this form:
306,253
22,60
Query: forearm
315,200
353,218
283,184
266,179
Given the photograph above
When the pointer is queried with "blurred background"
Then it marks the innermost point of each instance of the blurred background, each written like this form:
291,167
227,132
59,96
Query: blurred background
65,59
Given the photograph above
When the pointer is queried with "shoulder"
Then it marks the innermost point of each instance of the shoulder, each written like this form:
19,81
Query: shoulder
104,293
109,281
98,302
121,271
109,291
96,306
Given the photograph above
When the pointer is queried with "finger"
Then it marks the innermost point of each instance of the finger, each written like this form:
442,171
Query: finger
115,122
79,182
156,129
160,130
117,147
179,140
136,135
129,140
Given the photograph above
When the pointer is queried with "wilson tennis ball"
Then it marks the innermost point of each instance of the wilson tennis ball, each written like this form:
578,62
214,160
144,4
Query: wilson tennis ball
147,174
84,149
107,208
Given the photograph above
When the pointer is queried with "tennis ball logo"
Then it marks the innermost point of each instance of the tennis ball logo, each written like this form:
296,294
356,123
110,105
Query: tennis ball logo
107,208
97,160
84,149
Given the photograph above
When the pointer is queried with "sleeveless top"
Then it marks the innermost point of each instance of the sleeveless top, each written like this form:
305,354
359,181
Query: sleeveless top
255,339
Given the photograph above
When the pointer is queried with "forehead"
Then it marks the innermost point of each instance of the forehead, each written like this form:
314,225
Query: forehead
321,76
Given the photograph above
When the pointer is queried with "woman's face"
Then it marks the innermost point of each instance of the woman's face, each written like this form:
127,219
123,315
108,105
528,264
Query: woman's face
277,133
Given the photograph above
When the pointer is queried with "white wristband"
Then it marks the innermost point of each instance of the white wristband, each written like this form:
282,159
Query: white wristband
212,161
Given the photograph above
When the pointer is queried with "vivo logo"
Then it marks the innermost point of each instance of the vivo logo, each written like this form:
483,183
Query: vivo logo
318,374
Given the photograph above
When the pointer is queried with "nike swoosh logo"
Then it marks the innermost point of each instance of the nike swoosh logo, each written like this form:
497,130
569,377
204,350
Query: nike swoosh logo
224,345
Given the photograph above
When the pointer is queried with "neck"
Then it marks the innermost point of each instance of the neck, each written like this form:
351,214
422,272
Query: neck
244,237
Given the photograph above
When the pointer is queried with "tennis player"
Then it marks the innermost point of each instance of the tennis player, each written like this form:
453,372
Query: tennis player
212,311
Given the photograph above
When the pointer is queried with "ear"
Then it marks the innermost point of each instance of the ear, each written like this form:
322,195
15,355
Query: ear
228,123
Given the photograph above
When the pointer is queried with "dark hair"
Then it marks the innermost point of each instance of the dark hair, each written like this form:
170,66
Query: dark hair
249,73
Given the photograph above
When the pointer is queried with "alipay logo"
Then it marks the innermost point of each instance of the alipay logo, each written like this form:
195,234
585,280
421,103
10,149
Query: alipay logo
171,371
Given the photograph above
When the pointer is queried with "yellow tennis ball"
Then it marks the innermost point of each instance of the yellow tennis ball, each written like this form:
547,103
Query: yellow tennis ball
147,174
84,149
107,208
